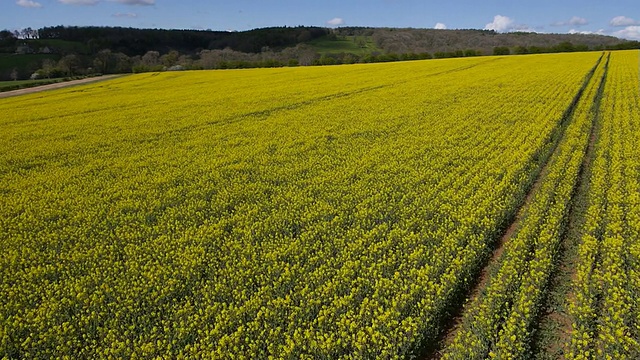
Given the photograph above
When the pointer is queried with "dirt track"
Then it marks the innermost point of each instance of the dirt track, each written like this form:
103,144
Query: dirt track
60,85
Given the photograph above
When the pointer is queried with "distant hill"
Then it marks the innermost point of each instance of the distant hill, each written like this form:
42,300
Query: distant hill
132,41
356,40
400,41
71,50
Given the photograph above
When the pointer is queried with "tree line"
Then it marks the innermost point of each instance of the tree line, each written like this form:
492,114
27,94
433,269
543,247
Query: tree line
132,41
76,50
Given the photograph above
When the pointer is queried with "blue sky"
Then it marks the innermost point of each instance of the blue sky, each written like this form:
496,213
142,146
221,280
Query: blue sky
613,17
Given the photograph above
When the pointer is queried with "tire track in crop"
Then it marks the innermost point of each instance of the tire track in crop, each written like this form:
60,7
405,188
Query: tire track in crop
264,114
466,67
555,324
268,112
453,324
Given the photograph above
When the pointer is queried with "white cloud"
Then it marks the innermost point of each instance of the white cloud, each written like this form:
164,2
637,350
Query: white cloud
94,2
500,23
79,2
136,2
586,32
621,21
629,33
125,15
525,28
574,21
440,26
29,4
506,24
578,21
336,21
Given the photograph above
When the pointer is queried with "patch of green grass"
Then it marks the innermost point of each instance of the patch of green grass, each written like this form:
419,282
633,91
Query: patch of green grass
359,45
58,45
30,82
21,84
20,61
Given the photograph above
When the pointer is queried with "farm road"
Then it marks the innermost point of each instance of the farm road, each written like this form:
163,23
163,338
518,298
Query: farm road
60,85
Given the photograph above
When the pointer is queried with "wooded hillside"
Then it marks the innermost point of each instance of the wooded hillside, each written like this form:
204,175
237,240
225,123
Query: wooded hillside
68,51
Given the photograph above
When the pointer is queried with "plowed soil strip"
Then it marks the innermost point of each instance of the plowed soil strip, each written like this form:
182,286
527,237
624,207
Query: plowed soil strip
453,326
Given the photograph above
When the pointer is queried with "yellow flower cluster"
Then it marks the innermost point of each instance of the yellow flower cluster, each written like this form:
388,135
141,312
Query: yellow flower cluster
497,323
299,213
606,309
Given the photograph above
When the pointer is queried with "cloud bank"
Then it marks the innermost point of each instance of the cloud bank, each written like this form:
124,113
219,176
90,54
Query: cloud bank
500,24
574,21
336,22
28,4
586,32
440,26
78,2
621,21
125,15
136,2
94,2
630,33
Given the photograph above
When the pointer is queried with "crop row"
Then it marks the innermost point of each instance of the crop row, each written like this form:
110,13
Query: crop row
296,213
497,323
606,311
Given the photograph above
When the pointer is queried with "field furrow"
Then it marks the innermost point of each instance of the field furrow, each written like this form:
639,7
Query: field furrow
498,322
604,311
554,327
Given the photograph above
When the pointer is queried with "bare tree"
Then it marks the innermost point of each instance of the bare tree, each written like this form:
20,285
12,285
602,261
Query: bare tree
48,66
29,33
207,59
151,59
306,55
103,61
69,64
122,63
170,59
186,61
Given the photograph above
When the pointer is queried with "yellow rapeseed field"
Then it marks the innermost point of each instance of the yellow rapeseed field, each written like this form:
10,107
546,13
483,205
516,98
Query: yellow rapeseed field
310,213
606,308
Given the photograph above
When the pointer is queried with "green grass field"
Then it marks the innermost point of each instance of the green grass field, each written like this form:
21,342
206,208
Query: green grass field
21,84
24,64
29,82
57,44
9,61
359,45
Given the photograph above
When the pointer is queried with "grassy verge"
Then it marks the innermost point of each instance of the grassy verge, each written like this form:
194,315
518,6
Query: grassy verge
23,84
